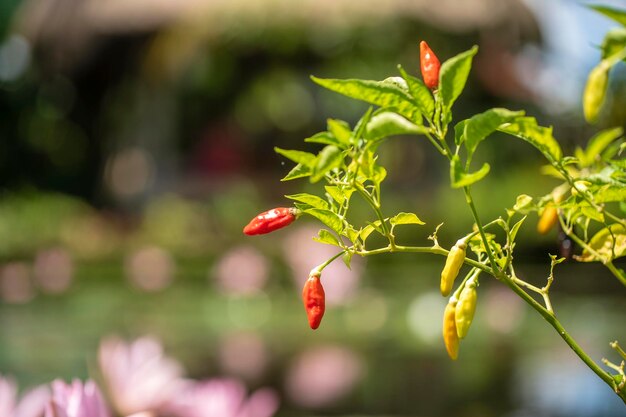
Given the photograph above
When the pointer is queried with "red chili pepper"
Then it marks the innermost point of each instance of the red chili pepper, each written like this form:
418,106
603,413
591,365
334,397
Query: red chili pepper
429,64
271,220
314,300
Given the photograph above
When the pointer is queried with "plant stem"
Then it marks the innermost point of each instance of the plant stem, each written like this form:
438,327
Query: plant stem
608,263
546,312
436,145
323,265
470,202
376,207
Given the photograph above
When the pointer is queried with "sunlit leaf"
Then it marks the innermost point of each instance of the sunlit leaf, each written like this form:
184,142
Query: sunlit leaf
326,237
361,125
347,259
608,244
335,193
327,217
299,171
614,42
381,93
515,228
597,144
453,76
522,202
459,178
388,123
422,95
329,158
478,127
405,218
540,137
367,230
609,193
327,139
379,174
618,15
340,130
310,199
299,157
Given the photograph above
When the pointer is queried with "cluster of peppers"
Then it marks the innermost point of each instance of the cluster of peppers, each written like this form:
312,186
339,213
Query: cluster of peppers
313,295
459,312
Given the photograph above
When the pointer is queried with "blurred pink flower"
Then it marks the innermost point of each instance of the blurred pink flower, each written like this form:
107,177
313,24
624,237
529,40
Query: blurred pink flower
138,376
322,375
76,400
31,404
224,398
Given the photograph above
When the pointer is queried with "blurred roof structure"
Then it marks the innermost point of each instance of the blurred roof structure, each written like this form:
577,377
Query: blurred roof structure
67,29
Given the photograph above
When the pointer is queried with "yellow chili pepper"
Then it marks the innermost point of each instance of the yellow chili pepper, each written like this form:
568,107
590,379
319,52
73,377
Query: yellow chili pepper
595,90
450,337
454,261
548,219
465,308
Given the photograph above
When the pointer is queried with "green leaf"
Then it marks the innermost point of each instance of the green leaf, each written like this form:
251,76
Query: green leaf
340,130
352,234
540,137
405,218
609,193
421,94
361,125
459,132
310,199
299,157
327,217
616,14
477,128
381,93
327,139
335,193
347,259
614,42
329,158
299,171
609,243
459,178
522,202
388,123
367,230
326,237
453,76
595,90
515,229
379,174
592,213
597,144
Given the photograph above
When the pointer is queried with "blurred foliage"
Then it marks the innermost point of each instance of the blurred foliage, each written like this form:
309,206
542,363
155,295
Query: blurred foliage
206,102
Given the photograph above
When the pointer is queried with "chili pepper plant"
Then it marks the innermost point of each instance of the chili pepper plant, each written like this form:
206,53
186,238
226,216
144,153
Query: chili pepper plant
589,200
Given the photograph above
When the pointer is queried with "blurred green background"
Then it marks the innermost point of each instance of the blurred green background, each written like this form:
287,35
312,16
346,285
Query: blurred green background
136,140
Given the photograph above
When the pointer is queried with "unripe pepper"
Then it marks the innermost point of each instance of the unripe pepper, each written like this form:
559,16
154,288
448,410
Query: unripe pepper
450,336
465,308
429,65
271,220
595,90
454,261
314,299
